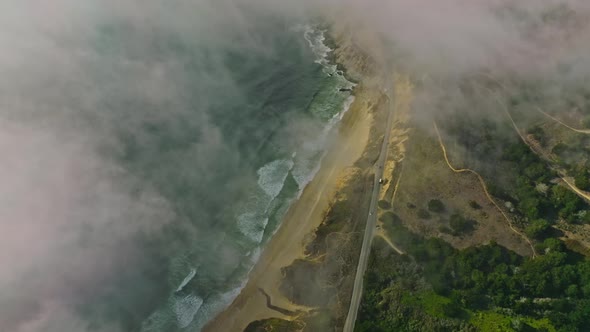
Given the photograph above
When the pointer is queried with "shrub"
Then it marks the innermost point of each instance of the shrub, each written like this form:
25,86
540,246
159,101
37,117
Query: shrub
460,224
537,229
582,180
434,205
474,205
390,217
383,204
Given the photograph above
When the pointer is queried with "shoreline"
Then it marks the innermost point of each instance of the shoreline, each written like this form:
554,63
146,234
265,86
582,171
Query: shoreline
350,141
347,143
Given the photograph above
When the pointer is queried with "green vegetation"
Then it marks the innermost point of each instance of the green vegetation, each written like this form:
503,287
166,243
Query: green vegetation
491,321
566,203
539,134
519,175
385,205
434,205
461,225
558,202
274,325
435,287
487,288
560,148
538,229
582,179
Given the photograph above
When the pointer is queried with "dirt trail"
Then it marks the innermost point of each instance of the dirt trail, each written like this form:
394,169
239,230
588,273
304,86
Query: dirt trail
538,150
485,189
582,131
569,181
381,233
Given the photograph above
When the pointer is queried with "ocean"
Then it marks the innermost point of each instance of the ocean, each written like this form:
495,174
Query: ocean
228,154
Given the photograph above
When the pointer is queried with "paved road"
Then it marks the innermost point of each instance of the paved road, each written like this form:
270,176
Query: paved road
357,291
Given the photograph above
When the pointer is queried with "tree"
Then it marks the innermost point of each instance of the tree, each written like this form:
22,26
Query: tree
582,181
530,207
538,228
460,224
566,202
536,172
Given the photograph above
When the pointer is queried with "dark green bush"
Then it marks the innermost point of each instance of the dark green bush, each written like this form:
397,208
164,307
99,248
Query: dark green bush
435,205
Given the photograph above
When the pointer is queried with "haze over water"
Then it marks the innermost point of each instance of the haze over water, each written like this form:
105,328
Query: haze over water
182,153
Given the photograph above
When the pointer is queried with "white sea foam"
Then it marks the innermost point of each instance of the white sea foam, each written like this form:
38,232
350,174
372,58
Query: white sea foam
186,308
307,167
213,306
252,225
315,38
254,256
272,176
192,312
187,279
271,179
347,103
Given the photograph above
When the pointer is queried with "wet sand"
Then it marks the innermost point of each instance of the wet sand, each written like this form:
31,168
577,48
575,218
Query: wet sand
296,230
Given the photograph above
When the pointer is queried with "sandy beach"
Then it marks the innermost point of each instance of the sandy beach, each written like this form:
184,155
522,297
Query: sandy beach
303,217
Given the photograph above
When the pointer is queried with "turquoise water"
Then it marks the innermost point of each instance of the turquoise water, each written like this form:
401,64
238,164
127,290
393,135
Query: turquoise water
243,134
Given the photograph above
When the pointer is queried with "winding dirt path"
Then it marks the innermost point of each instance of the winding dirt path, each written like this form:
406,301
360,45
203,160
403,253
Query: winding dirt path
485,190
538,150
381,234
582,131
569,181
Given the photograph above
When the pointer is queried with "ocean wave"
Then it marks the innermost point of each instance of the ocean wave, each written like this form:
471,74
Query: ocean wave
186,308
254,256
305,169
269,198
313,151
272,176
316,40
213,306
252,225
187,279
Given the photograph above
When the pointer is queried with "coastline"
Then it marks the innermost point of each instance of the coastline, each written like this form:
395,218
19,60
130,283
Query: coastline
351,140
348,142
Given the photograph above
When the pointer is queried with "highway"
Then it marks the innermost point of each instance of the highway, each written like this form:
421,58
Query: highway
357,291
